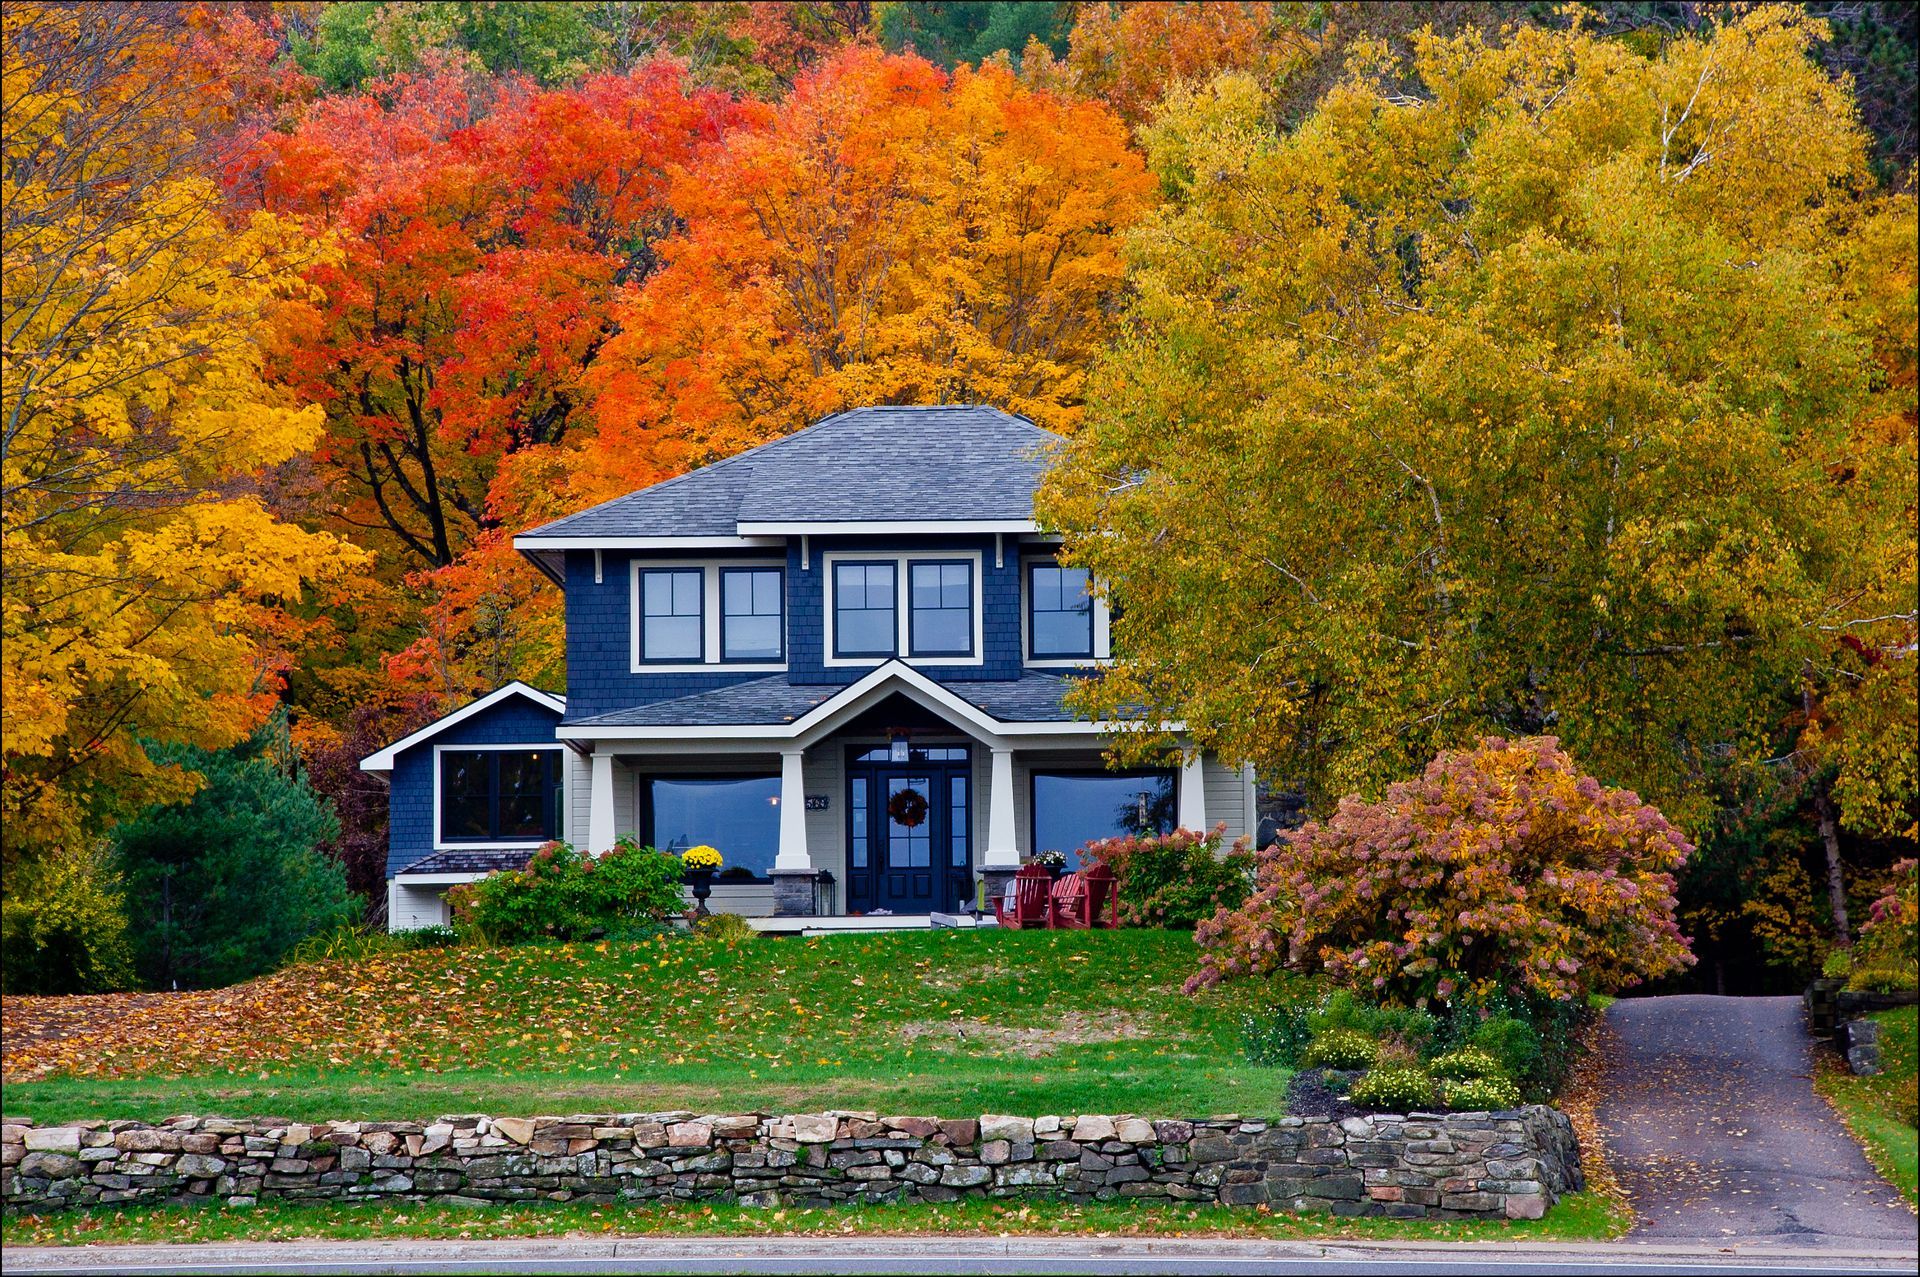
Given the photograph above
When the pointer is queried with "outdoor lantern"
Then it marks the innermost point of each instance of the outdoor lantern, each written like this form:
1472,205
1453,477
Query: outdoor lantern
897,748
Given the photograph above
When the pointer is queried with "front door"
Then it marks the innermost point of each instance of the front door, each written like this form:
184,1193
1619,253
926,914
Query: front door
909,831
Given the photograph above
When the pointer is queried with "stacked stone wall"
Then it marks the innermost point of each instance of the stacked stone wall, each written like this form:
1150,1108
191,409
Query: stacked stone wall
1460,1165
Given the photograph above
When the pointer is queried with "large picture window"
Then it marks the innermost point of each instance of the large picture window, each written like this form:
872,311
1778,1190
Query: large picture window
1060,610
499,795
865,622
1072,809
738,815
940,611
751,614
671,621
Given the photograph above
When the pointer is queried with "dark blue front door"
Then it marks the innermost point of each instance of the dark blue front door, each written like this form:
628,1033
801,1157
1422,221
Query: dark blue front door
908,830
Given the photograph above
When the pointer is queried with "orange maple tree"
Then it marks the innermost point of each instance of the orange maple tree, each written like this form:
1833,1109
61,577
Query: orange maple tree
889,233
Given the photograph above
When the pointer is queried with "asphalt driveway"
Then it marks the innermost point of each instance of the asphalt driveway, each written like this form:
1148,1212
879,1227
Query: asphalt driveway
1715,1131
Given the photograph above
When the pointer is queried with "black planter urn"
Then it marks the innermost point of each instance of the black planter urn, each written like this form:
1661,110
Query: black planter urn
701,880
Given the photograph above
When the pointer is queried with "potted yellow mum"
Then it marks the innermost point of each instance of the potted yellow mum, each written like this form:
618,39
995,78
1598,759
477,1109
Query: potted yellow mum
699,864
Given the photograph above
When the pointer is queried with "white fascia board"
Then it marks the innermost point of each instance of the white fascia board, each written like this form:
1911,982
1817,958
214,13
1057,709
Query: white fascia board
406,879
640,543
884,528
384,759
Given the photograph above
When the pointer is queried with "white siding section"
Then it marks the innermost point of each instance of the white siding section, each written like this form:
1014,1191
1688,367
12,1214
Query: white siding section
410,906
578,779
1228,795
824,774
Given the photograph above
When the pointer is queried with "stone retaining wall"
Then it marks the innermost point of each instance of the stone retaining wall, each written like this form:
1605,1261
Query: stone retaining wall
1458,1165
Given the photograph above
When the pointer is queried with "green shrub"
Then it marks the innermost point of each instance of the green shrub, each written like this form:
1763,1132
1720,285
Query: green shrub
1466,1064
564,894
1479,1094
1175,880
1394,1088
1838,965
1341,1049
433,937
1280,1036
63,926
1535,1039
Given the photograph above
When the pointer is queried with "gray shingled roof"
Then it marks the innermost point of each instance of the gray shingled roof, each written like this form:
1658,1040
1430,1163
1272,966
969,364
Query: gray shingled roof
469,862
885,464
1034,697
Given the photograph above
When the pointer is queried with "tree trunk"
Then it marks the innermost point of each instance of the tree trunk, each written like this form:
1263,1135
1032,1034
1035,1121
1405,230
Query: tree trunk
1836,879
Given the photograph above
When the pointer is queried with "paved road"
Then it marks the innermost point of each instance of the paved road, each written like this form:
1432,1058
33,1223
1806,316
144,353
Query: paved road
1715,1131
957,1255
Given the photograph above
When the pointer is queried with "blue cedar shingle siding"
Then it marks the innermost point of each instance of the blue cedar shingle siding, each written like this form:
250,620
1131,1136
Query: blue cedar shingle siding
600,676
514,721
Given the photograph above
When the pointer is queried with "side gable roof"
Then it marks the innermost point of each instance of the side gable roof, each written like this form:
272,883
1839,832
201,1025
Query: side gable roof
903,464
384,759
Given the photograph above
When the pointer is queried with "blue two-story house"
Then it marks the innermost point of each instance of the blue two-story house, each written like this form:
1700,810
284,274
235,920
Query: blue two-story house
840,658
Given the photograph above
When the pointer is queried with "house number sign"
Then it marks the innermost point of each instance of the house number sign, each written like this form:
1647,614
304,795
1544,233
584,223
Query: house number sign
817,802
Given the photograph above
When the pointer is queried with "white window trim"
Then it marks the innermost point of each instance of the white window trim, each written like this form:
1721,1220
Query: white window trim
440,844
1102,632
902,586
709,661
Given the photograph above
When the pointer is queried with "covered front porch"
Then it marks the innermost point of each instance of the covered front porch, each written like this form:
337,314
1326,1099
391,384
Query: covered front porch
892,798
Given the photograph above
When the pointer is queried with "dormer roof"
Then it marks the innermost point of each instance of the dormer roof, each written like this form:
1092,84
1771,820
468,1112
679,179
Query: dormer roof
880,469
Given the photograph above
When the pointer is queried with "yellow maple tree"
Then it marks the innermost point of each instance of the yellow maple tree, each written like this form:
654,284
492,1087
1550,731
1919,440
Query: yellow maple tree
145,570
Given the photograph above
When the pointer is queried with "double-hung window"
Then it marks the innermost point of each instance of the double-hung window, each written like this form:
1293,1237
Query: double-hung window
1060,612
940,612
499,795
751,614
672,614
865,620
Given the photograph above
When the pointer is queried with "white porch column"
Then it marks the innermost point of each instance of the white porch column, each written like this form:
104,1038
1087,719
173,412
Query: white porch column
600,804
793,816
1193,794
1003,848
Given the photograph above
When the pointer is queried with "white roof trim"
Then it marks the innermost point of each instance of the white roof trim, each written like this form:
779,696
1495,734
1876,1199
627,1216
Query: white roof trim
881,527
582,542
894,675
383,761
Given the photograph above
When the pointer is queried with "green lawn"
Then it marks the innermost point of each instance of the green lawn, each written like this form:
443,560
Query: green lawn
1880,1109
938,1022
1581,1217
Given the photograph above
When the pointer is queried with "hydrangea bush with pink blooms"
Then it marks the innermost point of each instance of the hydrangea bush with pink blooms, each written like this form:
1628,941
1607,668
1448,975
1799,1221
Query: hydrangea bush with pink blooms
1889,948
1500,869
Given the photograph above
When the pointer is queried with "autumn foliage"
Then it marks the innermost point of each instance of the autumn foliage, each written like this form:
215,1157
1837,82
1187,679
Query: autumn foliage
1502,868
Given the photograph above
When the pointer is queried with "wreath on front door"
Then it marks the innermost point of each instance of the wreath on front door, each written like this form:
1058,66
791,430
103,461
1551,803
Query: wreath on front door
907,808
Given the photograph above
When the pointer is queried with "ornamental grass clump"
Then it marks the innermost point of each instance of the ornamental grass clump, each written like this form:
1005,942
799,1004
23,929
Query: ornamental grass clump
1501,868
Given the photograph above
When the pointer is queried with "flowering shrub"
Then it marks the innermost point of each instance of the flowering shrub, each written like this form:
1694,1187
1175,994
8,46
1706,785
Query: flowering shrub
1465,1065
1394,1088
1889,948
701,857
1341,1049
1480,1094
1501,867
564,894
1174,880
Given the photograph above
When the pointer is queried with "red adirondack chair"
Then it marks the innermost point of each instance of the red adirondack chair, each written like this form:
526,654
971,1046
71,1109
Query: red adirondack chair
1025,904
1079,900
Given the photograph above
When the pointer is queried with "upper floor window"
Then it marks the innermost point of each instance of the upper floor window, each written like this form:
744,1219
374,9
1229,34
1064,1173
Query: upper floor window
671,614
751,614
499,795
940,612
1060,612
865,620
